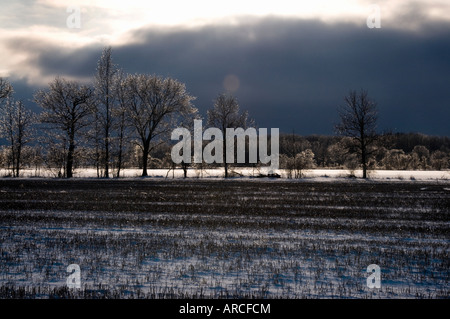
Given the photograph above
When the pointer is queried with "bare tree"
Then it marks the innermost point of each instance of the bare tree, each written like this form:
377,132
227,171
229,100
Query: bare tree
188,123
121,125
302,161
225,114
54,153
16,126
94,135
358,119
105,83
421,157
440,160
154,106
66,105
6,89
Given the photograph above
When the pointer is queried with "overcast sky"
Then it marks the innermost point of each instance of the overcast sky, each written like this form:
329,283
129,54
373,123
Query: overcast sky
289,63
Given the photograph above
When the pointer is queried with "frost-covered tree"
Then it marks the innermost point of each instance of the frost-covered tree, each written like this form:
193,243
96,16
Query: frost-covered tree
226,114
154,106
121,125
105,87
358,120
440,160
336,154
16,127
66,106
295,165
421,157
6,89
303,160
397,159
54,153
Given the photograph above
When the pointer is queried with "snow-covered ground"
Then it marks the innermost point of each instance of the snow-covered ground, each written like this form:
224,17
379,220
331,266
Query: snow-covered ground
194,238
314,174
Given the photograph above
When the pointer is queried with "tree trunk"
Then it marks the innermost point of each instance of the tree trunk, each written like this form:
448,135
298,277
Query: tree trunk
119,159
107,139
225,164
19,151
185,166
119,156
97,147
70,152
364,161
12,160
69,163
107,158
145,152
97,161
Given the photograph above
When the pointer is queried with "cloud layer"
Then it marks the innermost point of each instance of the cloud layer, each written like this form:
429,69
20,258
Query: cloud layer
289,73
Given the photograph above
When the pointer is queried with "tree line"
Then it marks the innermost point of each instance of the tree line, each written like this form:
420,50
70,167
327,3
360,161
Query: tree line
124,120
117,121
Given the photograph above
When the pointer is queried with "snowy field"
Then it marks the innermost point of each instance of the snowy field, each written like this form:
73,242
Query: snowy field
215,238
315,174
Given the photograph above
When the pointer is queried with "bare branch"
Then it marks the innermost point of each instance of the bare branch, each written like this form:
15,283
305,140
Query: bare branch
358,119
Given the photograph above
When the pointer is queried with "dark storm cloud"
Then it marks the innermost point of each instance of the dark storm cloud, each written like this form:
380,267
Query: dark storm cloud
292,73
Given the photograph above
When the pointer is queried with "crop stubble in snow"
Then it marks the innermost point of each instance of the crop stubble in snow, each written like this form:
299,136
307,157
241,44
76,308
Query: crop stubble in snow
156,238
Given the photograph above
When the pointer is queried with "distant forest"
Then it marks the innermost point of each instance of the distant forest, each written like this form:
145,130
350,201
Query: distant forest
400,151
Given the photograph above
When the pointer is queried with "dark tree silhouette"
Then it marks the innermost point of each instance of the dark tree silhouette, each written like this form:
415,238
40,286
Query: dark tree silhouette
358,120
5,89
16,126
120,113
225,114
105,86
154,107
66,105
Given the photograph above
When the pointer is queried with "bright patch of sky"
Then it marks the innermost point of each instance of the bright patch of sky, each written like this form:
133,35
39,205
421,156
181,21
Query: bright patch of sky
111,22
